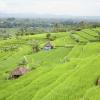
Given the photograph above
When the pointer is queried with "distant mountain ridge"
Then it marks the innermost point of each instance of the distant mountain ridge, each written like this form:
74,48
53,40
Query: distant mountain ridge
33,15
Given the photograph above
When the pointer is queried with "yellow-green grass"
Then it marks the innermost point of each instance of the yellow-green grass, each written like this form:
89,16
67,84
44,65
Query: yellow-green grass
62,73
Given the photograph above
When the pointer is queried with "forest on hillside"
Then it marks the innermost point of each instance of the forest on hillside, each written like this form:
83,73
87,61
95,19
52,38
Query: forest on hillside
11,27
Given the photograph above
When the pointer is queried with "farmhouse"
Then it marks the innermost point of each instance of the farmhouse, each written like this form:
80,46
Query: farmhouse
16,73
48,46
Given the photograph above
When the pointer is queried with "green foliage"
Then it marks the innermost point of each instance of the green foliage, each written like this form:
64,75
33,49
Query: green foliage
35,46
15,27
61,74
48,36
23,62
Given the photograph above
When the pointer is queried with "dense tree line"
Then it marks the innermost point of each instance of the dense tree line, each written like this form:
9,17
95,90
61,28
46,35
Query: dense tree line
34,26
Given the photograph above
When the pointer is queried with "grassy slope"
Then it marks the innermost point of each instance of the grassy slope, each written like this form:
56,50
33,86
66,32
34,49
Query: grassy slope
61,74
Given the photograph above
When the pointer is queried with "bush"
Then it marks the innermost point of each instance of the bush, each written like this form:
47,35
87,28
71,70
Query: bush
48,36
52,38
78,29
23,62
36,47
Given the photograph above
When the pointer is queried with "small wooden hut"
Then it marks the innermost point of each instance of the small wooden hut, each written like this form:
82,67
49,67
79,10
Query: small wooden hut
16,73
48,46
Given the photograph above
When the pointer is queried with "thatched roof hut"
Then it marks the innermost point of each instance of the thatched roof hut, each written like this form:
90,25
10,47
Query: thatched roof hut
18,72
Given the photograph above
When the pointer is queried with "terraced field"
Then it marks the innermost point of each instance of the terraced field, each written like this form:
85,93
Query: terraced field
68,72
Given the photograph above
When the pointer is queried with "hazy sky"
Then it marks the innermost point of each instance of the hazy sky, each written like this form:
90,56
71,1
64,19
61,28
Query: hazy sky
66,7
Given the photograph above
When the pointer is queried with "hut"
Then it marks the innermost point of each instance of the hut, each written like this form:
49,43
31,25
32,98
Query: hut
48,46
16,73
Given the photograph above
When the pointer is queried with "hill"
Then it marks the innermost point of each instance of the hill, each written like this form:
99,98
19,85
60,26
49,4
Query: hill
67,72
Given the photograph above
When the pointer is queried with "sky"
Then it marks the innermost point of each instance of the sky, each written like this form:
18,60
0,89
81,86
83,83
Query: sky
54,7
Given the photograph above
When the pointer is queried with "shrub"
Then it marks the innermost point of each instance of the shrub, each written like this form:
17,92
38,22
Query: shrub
36,46
78,29
23,62
48,36
52,38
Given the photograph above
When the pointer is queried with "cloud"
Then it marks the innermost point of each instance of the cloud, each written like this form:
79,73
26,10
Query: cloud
68,7
3,6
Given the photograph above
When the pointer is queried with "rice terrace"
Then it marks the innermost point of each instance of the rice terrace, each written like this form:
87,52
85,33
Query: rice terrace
49,57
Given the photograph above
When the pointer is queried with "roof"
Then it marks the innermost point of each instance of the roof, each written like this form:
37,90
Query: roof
19,71
48,45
